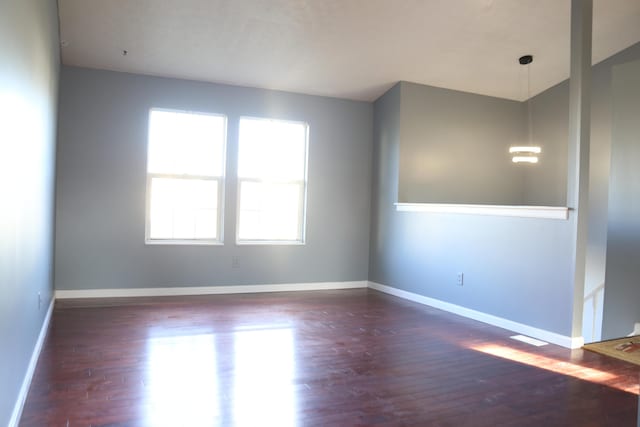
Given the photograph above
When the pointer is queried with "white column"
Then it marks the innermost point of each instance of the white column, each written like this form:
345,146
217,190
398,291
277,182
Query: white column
579,133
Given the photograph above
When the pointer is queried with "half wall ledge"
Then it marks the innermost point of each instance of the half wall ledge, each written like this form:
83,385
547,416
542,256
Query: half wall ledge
546,212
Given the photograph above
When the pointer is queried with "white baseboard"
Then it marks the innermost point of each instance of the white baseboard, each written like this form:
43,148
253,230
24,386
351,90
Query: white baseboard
26,382
541,334
206,290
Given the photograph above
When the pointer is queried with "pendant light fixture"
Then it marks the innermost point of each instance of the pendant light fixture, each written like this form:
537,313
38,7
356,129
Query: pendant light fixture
526,153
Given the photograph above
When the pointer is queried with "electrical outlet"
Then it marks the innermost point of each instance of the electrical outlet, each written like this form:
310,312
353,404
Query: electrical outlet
460,279
235,262
39,300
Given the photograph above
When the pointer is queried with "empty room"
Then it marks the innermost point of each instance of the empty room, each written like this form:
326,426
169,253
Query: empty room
319,213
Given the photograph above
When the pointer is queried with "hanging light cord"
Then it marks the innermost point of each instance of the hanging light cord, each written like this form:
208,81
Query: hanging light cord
529,103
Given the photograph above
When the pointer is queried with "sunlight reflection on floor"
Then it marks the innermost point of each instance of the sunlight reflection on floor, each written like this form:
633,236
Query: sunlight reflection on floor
182,381
184,385
263,381
550,364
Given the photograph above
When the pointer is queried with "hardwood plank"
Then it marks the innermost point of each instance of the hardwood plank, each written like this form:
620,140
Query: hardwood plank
348,357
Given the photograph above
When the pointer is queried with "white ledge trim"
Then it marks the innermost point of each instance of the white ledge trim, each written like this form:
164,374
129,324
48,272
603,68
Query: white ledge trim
549,212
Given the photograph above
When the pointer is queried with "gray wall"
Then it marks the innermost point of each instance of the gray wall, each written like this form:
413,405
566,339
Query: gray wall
28,90
521,268
515,268
101,186
622,294
601,132
455,147
545,183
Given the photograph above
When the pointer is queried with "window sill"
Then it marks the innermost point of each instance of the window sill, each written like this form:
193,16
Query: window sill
183,242
546,212
269,243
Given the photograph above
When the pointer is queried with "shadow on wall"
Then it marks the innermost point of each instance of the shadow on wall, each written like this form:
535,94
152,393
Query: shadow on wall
622,299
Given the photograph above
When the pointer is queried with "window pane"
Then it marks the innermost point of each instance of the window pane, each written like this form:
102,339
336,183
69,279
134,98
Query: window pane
186,143
183,209
272,149
270,211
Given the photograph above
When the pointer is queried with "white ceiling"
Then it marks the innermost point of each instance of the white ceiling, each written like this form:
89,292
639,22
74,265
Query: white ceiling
353,49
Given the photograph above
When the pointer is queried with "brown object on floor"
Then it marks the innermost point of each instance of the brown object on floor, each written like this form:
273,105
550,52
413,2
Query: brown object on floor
321,358
627,349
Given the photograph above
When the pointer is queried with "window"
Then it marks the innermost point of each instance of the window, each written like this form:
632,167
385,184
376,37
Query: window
272,181
185,177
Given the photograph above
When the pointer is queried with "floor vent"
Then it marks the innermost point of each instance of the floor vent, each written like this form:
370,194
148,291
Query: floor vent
529,340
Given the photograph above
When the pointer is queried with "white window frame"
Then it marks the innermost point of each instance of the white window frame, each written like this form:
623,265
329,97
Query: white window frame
220,181
303,183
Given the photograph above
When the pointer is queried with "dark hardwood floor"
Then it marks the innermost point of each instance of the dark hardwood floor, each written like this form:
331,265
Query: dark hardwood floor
332,358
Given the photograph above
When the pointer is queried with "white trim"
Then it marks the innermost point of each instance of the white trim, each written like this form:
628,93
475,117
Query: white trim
541,334
576,342
206,290
185,242
548,212
31,368
270,243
